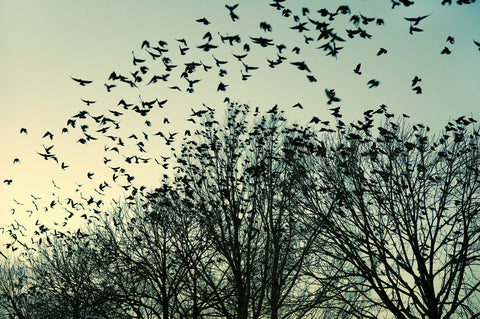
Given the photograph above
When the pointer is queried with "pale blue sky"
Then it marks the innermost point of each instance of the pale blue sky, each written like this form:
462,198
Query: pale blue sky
43,43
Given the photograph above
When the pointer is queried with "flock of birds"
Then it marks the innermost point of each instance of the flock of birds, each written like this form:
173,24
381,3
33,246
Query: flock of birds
314,28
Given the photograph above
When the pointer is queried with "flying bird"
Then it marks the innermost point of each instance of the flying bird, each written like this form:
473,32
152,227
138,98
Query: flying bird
301,66
262,41
203,20
232,14
48,134
416,20
207,46
381,51
477,44
357,69
80,81
331,96
23,130
265,26
446,51
417,89
87,102
373,83
298,105
415,80
109,87
414,29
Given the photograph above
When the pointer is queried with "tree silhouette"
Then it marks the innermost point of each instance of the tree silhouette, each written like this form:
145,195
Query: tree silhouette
241,179
399,213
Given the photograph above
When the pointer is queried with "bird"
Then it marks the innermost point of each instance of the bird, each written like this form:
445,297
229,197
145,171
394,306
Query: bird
301,66
233,16
331,96
23,130
373,83
87,102
477,44
416,20
414,29
417,89
208,36
80,81
48,134
8,181
336,112
203,20
300,27
240,56
109,87
381,51
314,120
446,51
219,62
357,69
415,80
297,105
273,110
136,60
263,42
265,26
450,40
221,87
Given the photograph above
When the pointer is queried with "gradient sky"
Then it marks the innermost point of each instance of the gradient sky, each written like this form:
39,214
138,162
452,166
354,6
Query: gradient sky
43,43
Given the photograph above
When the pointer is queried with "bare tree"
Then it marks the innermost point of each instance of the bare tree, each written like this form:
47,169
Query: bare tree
18,298
150,256
242,182
399,216
67,275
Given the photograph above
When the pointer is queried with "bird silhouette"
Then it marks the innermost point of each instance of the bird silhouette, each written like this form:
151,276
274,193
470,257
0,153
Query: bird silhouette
297,105
331,96
357,69
446,51
300,27
80,81
136,60
265,26
203,20
477,44
373,83
23,130
109,87
301,66
417,89
87,102
381,51
416,20
414,29
233,16
48,134
415,80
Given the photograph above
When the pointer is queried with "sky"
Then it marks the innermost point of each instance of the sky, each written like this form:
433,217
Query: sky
46,43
